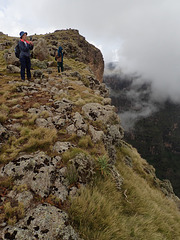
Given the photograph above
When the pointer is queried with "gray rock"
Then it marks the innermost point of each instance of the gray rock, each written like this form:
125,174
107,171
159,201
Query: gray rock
96,135
61,147
43,222
38,74
97,112
71,129
13,69
31,170
10,57
41,122
115,134
24,197
85,167
60,190
58,121
40,50
63,105
107,101
80,125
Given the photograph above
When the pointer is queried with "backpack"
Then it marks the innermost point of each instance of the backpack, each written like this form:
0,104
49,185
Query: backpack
56,56
17,50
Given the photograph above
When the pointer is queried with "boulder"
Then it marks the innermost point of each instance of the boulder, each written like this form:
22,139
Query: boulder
97,112
13,69
30,170
43,222
40,50
10,57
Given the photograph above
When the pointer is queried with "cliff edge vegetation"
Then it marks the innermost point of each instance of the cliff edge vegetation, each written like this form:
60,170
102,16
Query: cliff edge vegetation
65,170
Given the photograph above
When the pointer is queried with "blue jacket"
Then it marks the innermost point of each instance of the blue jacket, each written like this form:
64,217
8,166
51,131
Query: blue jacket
25,49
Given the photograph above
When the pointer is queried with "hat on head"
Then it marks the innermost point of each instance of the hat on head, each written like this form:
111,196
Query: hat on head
22,33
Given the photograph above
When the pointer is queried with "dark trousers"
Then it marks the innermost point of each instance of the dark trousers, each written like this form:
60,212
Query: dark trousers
60,65
25,64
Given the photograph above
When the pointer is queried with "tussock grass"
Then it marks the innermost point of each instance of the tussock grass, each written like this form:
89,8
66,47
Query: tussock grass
70,154
30,140
12,214
139,211
85,142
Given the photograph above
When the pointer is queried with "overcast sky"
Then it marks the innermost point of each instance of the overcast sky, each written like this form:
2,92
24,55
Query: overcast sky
143,35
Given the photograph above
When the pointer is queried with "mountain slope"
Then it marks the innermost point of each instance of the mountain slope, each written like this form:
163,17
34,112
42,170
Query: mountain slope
65,170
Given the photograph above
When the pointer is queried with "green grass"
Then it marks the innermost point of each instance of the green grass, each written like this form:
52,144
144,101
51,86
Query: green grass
139,211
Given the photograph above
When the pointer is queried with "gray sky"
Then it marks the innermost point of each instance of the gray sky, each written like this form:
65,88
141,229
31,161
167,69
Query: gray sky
143,35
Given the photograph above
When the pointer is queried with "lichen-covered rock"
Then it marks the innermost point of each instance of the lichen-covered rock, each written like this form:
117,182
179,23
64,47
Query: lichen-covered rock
85,167
33,170
114,134
63,106
96,135
79,126
61,147
24,197
97,112
43,222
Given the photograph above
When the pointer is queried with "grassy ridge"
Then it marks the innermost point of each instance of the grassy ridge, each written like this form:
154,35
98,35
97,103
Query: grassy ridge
139,211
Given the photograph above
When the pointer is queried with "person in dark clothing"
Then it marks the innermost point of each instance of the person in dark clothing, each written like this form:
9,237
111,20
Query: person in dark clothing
24,57
59,58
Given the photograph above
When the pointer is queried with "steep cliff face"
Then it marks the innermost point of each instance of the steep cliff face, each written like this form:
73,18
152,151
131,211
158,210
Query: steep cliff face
65,170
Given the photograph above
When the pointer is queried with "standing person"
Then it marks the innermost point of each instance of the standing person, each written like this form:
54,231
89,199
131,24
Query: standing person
59,58
24,57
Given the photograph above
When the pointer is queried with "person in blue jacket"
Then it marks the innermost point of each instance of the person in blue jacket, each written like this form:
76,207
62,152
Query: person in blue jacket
25,47
59,58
